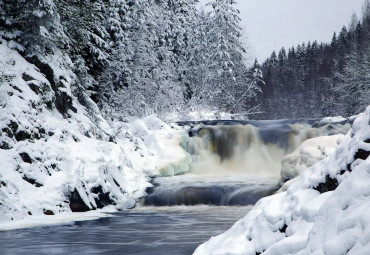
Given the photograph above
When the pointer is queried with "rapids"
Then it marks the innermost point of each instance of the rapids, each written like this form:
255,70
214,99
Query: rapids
234,164
250,147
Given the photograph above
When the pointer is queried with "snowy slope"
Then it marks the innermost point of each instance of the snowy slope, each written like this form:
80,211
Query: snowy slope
57,156
326,211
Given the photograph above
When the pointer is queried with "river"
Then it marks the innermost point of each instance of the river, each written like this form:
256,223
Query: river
144,230
234,165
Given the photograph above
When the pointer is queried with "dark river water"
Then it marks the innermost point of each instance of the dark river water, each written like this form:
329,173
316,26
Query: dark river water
151,230
144,231
228,175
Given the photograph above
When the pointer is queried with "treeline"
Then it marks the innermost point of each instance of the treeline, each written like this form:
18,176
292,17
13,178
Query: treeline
315,80
136,57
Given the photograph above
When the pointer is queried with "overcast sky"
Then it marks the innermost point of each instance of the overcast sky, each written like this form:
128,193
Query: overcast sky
271,24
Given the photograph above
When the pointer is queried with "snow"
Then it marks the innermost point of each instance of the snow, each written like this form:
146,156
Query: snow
62,218
309,153
204,114
47,156
329,120
307,219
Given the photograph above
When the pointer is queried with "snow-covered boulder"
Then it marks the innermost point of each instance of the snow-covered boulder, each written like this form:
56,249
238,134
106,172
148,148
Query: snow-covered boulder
326,210
307,154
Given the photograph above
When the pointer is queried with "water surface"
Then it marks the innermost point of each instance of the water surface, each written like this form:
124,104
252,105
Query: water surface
145,231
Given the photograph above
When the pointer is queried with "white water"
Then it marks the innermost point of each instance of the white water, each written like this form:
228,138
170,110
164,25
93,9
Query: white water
240,159
247,149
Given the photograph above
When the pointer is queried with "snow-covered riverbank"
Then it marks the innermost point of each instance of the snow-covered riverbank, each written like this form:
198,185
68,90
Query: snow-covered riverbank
324,212
58,156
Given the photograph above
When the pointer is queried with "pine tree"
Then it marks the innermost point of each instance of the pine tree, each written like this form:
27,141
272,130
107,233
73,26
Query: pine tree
197,90
226,52
354,89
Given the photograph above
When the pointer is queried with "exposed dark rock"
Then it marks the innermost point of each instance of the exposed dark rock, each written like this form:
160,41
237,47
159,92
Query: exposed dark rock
50,133
283,229
42,131
75,139
19,169
22,135
27,77
48,212
115,182
76,203
16,88
35,88
73,109
44,68
13,127
8,132
32,181
362,154
2,184
348,169
367,140
330,184
49,104
63,102
26,158
5,146
37,135
103,198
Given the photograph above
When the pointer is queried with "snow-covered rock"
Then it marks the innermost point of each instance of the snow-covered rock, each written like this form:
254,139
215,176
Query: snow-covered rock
325,211
309,153
57,156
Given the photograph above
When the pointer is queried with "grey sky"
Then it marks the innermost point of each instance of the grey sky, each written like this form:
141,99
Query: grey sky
271,24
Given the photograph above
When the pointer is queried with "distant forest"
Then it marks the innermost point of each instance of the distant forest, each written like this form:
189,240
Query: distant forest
315,80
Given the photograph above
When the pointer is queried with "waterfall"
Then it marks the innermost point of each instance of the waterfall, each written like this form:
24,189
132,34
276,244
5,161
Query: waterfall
252,148
235,163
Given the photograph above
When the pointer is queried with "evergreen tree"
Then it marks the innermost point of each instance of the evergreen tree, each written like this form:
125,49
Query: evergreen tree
225,53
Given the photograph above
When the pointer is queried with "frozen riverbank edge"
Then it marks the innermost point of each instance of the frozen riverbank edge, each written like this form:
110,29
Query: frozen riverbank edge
325,210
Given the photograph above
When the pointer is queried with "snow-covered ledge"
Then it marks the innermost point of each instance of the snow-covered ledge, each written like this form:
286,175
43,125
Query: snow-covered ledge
326,210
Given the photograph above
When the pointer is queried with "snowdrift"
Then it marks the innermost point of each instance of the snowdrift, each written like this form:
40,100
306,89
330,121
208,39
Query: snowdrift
309,153
57,156
325,211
